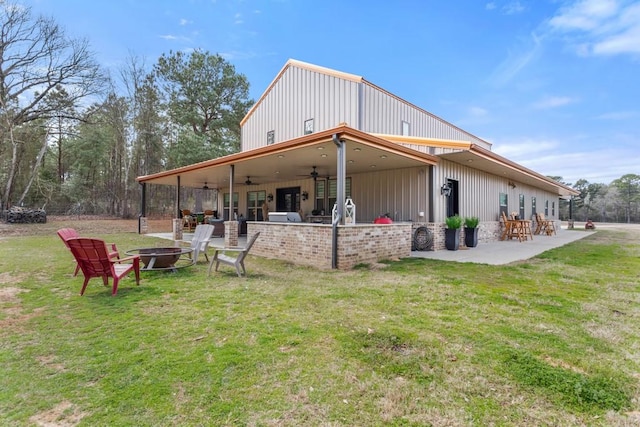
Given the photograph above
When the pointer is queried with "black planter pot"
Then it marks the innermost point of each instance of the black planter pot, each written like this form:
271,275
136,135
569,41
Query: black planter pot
471,237
452,238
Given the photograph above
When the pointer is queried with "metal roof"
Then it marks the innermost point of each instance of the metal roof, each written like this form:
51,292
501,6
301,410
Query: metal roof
476,157
294,159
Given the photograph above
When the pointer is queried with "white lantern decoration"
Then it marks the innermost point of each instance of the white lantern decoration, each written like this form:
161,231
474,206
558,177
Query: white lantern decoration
349,212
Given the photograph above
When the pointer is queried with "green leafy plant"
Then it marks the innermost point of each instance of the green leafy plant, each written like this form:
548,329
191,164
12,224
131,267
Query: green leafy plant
454,222
471,222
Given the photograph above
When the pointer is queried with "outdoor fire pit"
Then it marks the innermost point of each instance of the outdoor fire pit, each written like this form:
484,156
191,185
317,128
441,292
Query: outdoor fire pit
163,258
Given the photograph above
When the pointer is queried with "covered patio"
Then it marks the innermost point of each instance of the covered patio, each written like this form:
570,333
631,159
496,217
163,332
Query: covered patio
351,237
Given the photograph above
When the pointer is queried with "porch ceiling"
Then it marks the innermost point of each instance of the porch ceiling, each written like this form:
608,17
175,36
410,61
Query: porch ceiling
295,159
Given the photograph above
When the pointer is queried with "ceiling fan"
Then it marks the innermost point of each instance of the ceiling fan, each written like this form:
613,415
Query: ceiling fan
205,186
249,182
314,173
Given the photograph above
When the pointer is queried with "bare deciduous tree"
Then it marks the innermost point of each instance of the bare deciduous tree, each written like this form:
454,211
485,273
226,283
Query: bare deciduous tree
35,58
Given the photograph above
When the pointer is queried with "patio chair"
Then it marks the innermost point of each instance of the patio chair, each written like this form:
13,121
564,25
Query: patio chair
189,221
511,228
544,226
549,226
70,233
200,242
208,215
224,256
93,258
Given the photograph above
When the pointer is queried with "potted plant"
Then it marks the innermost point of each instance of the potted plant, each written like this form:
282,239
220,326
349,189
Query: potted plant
471,231
452,232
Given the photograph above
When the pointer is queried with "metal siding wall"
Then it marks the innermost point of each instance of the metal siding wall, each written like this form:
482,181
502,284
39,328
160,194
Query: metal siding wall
383,113
402,193
479,193
299,95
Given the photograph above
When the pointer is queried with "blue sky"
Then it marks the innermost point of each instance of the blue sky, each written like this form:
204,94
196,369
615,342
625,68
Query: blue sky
553,84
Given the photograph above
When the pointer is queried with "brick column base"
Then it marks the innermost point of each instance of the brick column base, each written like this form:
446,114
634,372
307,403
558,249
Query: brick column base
143,225
177,229
231,233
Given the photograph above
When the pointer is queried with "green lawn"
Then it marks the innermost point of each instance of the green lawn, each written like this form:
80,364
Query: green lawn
551,341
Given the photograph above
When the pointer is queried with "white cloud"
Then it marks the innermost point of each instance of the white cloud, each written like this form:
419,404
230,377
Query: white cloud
524,149
553,102
513,8
490,6
619,115
625,42
603,27
515,62
184,22
584,15
478,112
169,37
560,158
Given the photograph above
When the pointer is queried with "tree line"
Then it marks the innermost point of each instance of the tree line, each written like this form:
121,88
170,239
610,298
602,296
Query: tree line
618,201
74,138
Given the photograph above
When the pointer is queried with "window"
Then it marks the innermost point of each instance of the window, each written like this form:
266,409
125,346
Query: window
320,196
504,203
405,128
546,208
533,207
327,193
308,126
226,206
333,191
553,208
255,199
271,137
521,206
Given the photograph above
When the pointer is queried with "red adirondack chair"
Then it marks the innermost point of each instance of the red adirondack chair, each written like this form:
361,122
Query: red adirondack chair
70,233
95,261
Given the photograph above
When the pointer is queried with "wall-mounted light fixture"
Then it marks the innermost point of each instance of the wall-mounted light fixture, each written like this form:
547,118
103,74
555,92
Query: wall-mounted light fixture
445,190
512,184
269,197
305,195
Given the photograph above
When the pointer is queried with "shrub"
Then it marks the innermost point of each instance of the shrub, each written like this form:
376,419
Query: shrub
454,222
471,222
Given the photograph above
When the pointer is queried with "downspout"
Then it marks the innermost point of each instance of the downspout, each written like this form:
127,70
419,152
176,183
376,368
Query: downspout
432,201
341,164
143,206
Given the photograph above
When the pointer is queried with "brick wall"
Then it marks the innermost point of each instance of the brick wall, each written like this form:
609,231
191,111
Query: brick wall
487,232
311,244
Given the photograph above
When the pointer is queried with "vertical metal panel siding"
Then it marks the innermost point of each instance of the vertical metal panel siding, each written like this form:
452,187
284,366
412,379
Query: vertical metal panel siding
479,193
402,193
299,95
383,113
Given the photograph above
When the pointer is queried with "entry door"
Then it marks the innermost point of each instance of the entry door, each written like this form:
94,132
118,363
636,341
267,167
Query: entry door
288,199
453,204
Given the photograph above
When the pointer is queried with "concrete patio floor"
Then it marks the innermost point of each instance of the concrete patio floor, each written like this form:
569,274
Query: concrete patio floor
507,251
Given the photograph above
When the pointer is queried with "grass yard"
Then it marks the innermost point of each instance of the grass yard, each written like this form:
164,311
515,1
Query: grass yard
551,341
